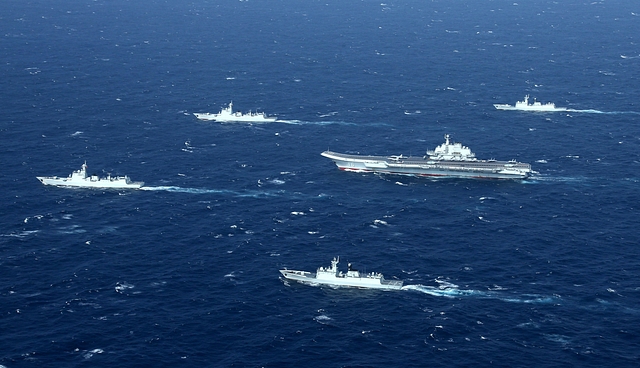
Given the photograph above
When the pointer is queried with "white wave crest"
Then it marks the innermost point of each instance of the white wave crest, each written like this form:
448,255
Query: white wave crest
122,286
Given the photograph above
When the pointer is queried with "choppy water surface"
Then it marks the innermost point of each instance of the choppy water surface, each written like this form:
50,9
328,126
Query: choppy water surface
541,272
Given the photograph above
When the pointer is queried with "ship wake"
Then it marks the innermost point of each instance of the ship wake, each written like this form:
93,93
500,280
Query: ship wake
234,193
327,122
591,111
448,290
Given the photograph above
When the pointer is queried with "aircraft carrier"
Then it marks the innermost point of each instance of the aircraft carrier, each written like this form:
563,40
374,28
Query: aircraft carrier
448,160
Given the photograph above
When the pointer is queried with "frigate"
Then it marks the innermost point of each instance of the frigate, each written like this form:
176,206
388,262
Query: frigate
333,277
526,106
226,115
80,179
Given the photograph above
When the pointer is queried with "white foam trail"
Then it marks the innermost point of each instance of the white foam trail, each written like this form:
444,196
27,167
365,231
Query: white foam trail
248,193
294,122
454,292
445,292
299,122
21,234
329,122
591,111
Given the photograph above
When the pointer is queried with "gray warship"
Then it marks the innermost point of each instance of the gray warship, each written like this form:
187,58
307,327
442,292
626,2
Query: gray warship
526,106
353,278
80,179
448,160
227,115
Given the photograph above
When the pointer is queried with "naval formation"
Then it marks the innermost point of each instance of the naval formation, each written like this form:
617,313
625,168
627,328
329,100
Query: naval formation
448,160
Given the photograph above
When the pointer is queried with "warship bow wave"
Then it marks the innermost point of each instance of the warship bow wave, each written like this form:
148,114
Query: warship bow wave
226,115
353,278
526,106
80,179
451,160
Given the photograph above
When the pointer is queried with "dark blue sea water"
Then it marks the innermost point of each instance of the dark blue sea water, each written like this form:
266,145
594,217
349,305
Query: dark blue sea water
536,273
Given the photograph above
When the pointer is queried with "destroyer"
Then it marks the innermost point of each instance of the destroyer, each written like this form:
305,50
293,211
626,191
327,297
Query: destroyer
353,278
226,115
526,106
80,179
448,160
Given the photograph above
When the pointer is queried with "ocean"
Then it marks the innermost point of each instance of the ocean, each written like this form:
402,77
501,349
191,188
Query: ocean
541,272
